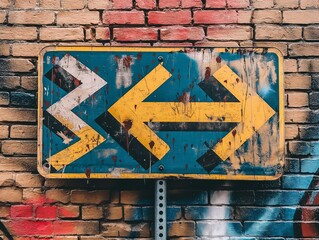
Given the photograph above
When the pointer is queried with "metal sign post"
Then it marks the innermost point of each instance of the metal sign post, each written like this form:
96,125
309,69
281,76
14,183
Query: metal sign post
160,210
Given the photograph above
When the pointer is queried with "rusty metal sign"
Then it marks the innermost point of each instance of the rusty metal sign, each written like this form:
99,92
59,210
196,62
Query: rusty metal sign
119,112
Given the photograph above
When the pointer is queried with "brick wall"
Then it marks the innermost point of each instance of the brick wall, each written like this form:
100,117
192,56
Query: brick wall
32,207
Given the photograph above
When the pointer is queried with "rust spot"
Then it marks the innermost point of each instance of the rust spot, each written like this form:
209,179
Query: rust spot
127,61
135,106
229,143
96,69
225,81
88,172
185,98
237,80
167,135
128,124
234,132
151,143
220,141
218,59
185,147
114,158
179,76
139,56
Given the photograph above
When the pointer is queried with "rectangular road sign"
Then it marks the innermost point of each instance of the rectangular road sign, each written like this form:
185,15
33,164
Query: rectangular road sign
126,112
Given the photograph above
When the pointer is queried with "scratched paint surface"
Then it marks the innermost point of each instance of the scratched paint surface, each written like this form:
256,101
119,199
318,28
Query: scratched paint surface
149,112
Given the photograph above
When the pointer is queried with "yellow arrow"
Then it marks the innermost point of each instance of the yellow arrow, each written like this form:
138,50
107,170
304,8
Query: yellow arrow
132,112
254,112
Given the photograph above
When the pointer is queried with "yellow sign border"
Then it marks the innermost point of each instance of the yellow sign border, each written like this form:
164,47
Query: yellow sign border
156,175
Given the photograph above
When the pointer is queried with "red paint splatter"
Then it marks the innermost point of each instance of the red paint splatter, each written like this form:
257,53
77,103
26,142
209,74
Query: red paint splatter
185,147
186,166
218,59
207,73
88,172
185,98
139,56
127,61
234,132
151,143
114,158
96,69
128,124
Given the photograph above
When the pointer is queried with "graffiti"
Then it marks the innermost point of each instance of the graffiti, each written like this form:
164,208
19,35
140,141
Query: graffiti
5,231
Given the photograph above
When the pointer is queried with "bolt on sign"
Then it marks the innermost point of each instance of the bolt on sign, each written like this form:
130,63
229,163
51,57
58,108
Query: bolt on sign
125,112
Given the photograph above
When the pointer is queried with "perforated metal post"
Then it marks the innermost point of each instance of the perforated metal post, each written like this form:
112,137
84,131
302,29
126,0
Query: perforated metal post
160,210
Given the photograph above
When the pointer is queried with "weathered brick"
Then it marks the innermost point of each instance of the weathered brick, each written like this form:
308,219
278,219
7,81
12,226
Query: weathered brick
23,131
72,4
102,33
218,228
5,4
113,213
93,197
23,99
46,212
4,211
6,179
304,4
315,82
229,33
286,4
238,3
275,32
29,180
4,49
298,99
27,49
215,3
309,165
14,147
17,115
244,16
173,213
169,17
49,4
125,230
33,196
215,16
281,46
313,98
61,34
16,65
78,227
297,81
123,17
9,194
133,213
169,3
21,211
68,211
135,34
208,212
308,65
18,164
262,3
181,33
3,16
145,4
292,165
191,3
181,229
25,4
69,238
309,132
31,17
30,228
267,16
291,131
308,16
193,197
304,49
137,197
92,212
29,83
223,197
290,65
302,148
9,82
297,116
72,17
4,131
311,33
58,195
4,98
257,213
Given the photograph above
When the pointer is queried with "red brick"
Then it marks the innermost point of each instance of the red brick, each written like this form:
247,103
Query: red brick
191,3
75,227
169,3
30,228
215,16
68,211
169,17
102,33
145,4
21,211
215,3
47,212
123,17
181,229
119,4
182,33
238,3
135,34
